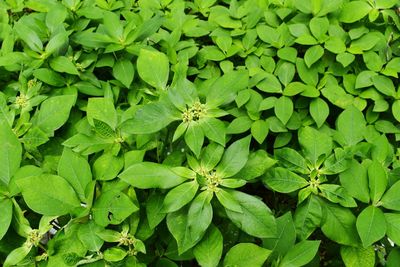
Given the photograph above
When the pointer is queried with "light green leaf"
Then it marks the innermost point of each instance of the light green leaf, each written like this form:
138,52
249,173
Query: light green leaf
87,235
259,130
102,109
112,207
214,130
76,170
393,227
63,64
283,109
355,180
6,207
107,166
147,175
153,68
313,54
377,181
319,111
194,138
123,71
358,256
351,124
246,254
48,194
354,11
391,199
54,112
371,225
10,154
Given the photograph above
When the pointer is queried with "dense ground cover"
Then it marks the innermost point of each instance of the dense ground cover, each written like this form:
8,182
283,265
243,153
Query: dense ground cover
205,132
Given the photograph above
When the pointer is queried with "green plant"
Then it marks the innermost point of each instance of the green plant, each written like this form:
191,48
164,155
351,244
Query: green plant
206,132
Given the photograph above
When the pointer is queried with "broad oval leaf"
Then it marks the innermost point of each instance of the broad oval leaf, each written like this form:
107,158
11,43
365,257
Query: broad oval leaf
283,180
371,225
246,254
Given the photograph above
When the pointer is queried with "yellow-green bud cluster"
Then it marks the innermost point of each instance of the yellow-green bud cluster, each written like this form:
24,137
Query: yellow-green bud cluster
194,113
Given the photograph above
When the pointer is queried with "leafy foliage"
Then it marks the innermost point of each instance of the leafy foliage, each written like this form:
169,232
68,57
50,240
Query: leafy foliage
205,132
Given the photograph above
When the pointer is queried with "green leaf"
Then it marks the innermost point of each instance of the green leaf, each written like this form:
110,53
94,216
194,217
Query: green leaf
234,158
114,254
228,201
189,224
48,76
208,251
393,229
102,109
54,112
48,194
107,166
307,217
10,154
396,110
112,207
87,235
285,239
301,254
147,175
124,72
358,256
180,196
224,90
371,225
154,209
255,219
384,85
29,36
153,68
319,111
352,125
149,118
377,181
259,130
63,64
313,54
283,181
194,138
337,194
76,170
16,256
291,159
354,11
336,45
214,130
246,254
283,109
314,143
339,224
391,199
285,72
355,180
6,207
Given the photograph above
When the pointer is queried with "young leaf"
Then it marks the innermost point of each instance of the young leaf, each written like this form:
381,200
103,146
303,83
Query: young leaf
102,109
313,54
246,254
153,68
147,175
194,138
371,225
301,254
